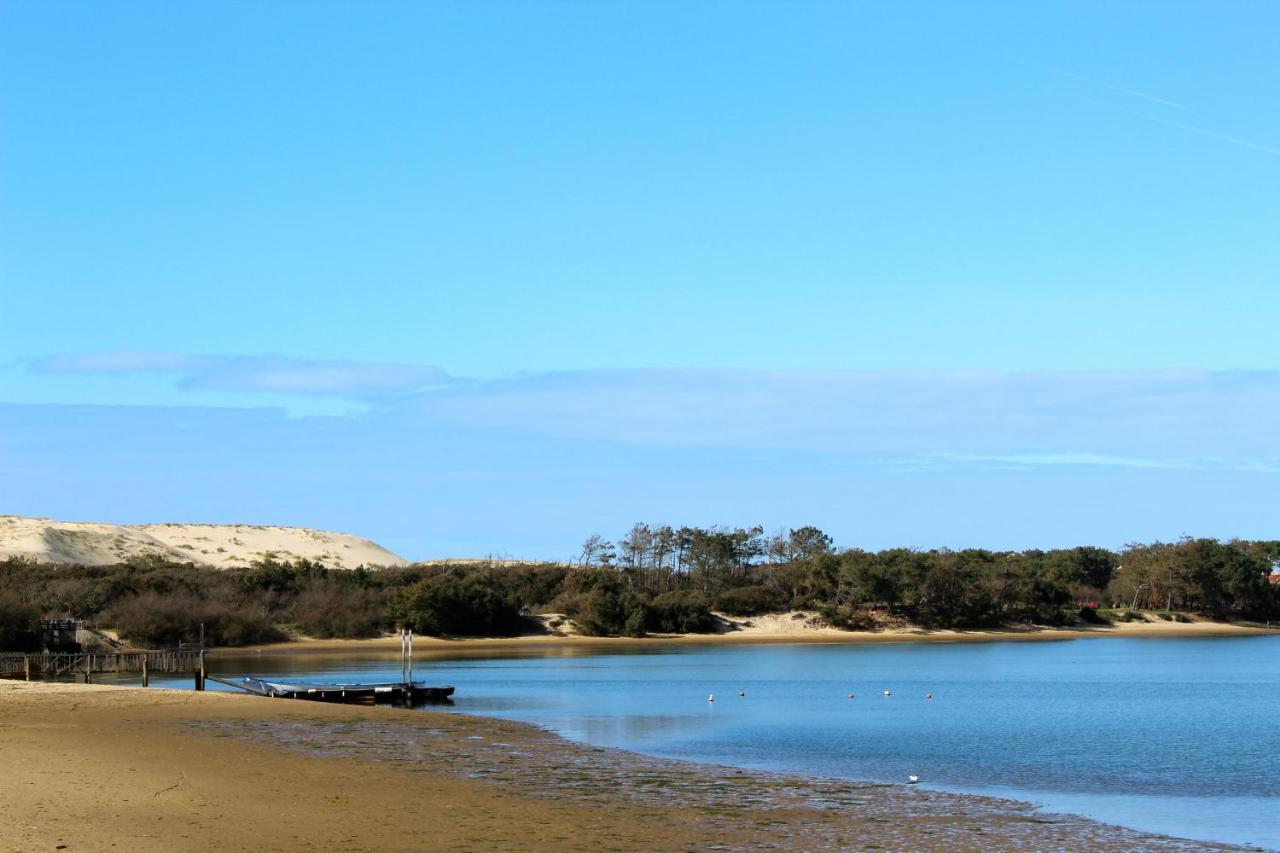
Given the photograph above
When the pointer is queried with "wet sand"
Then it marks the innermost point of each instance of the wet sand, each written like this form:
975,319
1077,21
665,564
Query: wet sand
110,768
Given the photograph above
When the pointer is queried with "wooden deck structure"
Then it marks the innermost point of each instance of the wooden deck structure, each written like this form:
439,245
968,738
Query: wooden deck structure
83,665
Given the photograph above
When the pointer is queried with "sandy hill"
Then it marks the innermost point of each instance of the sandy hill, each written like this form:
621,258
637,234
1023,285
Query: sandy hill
219,545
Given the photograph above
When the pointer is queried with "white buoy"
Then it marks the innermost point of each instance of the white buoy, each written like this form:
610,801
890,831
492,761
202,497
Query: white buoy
912,779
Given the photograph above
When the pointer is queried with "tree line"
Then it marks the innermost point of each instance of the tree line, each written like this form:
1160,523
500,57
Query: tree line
654,579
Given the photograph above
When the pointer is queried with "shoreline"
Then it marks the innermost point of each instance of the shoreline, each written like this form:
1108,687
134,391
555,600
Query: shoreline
254,774
751,636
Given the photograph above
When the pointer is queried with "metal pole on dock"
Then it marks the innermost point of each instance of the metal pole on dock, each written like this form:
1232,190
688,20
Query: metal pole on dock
402,656
409,680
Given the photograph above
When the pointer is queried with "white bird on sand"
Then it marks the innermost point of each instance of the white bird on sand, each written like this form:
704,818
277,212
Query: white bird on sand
912,779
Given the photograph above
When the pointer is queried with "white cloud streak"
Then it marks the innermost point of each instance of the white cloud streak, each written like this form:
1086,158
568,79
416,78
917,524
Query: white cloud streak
1131,92
265,373
1172,418
905,420
1243,143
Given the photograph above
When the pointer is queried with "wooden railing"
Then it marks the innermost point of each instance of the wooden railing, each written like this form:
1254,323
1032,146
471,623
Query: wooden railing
55,664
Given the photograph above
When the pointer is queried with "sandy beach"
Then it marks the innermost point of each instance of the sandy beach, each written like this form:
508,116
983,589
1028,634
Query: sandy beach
781,628
112,768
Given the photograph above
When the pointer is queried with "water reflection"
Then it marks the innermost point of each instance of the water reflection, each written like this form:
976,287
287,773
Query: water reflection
1179,734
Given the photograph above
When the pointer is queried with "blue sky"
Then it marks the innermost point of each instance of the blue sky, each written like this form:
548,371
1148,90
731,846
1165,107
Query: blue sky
485,278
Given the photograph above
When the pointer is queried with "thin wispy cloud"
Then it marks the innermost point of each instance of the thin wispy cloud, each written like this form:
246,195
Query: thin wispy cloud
1168,122
1243,143
274,374
1126,91
1136,419
908,420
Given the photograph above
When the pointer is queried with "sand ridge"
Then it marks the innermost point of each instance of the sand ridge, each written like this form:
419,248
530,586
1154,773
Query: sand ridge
219,546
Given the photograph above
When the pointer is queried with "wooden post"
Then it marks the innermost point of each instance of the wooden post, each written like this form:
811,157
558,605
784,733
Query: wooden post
26,666
146,674
199,679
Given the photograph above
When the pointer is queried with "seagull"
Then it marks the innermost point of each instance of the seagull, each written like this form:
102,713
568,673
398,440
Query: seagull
912,779
711,698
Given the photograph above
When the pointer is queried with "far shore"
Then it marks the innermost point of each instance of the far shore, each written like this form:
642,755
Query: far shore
777,629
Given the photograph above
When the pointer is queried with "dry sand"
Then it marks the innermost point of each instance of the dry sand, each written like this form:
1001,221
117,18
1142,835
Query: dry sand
795,627
218,545
97,768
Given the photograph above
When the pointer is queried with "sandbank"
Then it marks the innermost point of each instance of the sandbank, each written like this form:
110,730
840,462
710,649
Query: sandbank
90,767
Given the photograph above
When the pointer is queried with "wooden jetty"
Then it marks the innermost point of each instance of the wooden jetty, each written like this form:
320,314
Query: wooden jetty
393,693
83,665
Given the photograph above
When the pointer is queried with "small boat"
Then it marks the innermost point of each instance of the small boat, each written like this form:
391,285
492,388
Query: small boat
392,692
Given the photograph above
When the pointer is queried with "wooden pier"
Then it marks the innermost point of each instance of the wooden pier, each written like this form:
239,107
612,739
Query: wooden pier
83,665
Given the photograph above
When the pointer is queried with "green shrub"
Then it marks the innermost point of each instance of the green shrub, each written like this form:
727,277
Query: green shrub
19,625
847,618
332,611
1130,616
160,621
1093,617
681,612
751,600
457,604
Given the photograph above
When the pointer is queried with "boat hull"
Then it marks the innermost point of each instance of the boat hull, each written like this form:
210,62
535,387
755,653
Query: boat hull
347,694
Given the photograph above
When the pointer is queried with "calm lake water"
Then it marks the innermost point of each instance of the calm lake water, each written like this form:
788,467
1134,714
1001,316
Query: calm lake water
1173,735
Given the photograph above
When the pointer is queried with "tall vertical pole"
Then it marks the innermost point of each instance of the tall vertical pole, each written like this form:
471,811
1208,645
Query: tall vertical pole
202,669
410,680
146,672
26,666
402,647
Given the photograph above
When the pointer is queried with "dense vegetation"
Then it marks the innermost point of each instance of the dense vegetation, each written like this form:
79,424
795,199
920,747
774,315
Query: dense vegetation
657,579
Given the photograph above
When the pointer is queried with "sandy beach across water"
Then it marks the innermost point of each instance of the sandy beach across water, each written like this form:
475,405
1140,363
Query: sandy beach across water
782,628
97,768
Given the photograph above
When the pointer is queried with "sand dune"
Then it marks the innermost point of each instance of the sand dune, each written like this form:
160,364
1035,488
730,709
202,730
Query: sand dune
217,545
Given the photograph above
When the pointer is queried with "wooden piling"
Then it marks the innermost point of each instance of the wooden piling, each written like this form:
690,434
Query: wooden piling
26,666
146,673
